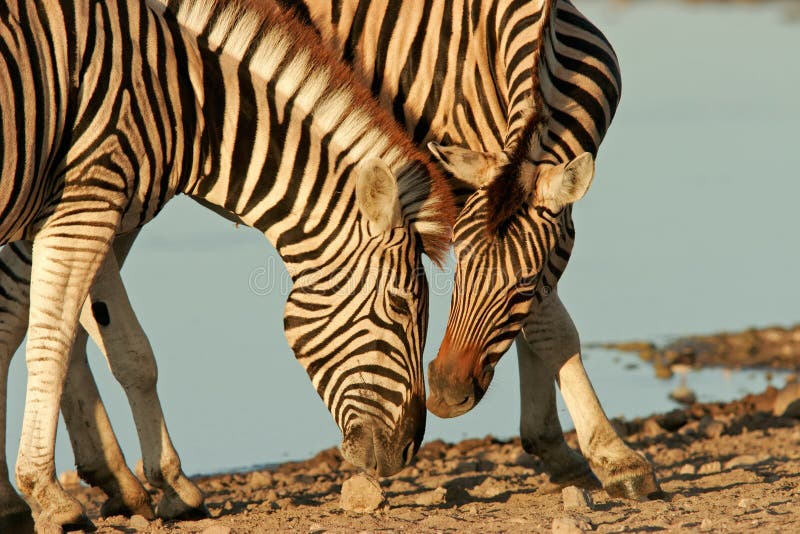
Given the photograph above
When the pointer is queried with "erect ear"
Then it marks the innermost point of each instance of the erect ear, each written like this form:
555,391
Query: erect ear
564,184
474,168
376,194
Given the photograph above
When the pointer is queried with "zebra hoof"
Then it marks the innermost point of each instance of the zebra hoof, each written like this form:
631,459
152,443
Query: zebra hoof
638,483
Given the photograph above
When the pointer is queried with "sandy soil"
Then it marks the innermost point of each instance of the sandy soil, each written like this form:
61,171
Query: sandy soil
725,468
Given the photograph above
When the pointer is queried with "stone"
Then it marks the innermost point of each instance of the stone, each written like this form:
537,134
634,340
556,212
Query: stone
315,528
69,479
672,421
712,429
570,525
576,498
710,468
216,529
683,395
138,522
741,461
259,479
787,401
468,466
488,489
361,493
651,428
687,469
432,498
747,504
228,506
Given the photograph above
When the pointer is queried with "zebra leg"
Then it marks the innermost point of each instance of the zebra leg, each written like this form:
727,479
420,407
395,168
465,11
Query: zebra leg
67,253
98,457
15,515
113,325
540,428
554,338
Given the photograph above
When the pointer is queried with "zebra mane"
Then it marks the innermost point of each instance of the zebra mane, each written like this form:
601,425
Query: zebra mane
261,33
508,193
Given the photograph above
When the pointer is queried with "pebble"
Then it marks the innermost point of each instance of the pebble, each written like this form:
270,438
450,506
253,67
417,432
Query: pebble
138,522
69,479
740,461
570,525
683,394
216,529
688,469
709,468
361,494
651,428
787,402
747,504
672,421
315,528
468,466
711,428
259,479
432,498
228,505
706,524
576,498
488,489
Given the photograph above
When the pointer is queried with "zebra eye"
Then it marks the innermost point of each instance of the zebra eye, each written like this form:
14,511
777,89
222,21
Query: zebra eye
399,304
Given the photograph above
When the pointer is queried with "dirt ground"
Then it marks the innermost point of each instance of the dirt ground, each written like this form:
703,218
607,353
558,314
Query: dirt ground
725,468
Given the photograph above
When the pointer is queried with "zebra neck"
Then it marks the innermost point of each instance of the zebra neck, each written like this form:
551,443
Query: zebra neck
283,125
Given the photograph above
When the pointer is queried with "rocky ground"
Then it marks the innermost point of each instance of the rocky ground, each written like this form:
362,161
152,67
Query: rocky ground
725,468
771,348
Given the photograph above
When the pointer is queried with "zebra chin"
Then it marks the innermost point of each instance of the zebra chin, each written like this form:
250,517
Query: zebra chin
372,445
457,381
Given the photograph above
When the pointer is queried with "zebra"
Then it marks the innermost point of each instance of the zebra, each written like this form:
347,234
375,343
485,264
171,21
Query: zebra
513,98
116,107
461,87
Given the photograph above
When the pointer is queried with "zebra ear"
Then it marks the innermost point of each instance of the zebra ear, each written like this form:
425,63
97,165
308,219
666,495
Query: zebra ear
376,194
474,168
564,184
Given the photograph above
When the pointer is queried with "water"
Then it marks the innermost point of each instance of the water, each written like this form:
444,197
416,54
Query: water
689,227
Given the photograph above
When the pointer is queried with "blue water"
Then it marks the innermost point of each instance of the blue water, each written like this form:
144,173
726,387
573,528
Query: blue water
690,227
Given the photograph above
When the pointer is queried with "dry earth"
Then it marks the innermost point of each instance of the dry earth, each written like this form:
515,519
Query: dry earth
725,468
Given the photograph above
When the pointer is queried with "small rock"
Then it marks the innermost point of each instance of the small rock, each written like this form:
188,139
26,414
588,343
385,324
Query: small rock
787,402
432,498
576,498
361,494
271,496
706,524
740,461
259,479
216,529
710,468
747,504
315,528
488,489
713,429
468,466
683,395
228,505
651,428
672,421
688,469
138,522
569,525
69,479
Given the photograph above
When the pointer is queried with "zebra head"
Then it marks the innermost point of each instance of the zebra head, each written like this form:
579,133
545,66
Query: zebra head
509,244
357,321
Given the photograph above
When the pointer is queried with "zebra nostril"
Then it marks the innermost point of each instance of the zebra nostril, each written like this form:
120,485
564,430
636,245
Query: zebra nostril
463,401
